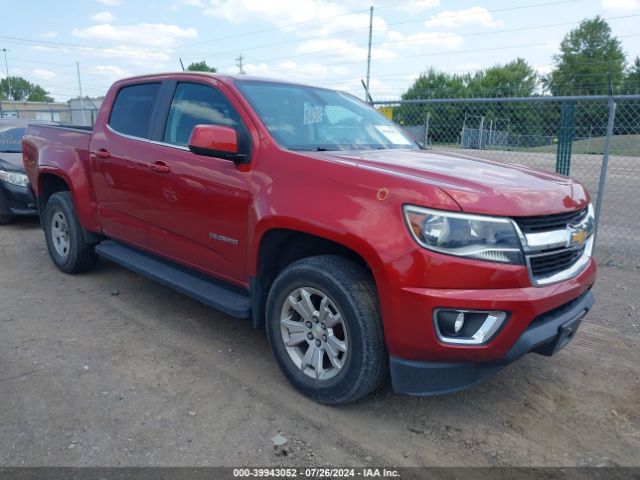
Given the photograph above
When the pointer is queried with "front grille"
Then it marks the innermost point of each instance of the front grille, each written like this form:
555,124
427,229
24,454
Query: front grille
547,223
554,262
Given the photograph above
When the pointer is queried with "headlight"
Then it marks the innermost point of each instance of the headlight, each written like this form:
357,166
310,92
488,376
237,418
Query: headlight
14,178
471,236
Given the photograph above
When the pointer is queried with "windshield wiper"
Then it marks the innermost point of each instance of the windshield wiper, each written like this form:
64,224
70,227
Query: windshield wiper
10,151
314,149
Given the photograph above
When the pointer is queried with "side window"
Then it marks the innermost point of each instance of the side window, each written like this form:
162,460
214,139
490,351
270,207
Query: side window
132,108
194,104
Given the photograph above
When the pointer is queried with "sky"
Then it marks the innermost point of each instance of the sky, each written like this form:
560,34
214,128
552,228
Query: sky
318,42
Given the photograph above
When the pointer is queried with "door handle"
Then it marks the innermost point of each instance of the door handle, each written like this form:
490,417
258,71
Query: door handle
160,167
102,153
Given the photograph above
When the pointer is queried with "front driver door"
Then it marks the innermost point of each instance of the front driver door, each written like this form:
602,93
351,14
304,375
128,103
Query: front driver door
198,207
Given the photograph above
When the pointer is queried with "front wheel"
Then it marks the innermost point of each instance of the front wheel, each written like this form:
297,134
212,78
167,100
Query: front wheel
324,329
65,240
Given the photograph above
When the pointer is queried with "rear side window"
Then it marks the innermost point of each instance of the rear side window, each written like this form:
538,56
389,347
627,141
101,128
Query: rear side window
131,112
194,104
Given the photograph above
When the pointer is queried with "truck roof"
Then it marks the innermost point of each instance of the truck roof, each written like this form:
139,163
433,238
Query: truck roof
224,77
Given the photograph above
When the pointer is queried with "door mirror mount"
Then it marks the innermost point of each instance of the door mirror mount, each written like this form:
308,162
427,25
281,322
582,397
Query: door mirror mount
219,141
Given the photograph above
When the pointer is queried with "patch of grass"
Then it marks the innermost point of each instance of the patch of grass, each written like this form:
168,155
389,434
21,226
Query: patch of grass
627,145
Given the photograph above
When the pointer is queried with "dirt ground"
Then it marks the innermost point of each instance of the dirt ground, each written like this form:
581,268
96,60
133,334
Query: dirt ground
109,368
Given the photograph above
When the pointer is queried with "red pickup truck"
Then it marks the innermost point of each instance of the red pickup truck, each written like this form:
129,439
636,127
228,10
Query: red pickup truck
306,211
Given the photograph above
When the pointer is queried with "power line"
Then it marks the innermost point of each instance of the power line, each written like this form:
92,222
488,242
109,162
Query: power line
510,30
297,24
497,10
452,52
402,76
283,27
387,42
333,34
112,50
437,37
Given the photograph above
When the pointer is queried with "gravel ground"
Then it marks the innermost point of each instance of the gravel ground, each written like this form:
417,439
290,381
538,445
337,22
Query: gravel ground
109,368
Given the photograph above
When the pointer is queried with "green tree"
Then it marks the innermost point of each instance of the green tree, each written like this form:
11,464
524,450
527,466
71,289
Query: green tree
20,89
434,84
632,78
39,94
514,79
590,61
201,67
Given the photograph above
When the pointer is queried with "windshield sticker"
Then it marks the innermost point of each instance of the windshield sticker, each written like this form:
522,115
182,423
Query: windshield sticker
8,139
393,135
312,113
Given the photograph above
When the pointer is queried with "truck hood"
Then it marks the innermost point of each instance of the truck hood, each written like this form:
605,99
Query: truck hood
476,185
11,161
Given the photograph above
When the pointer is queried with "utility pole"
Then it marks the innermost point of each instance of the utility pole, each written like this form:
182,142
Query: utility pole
7,67
81,98
239,64
369,52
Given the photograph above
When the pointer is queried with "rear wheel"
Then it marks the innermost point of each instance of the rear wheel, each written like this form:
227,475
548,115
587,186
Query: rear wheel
5,219
324,328
65,240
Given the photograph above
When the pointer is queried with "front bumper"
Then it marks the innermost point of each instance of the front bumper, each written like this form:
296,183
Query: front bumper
16,200
546,334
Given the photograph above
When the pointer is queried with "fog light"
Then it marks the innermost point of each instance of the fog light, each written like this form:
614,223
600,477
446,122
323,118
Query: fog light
471,327
459,323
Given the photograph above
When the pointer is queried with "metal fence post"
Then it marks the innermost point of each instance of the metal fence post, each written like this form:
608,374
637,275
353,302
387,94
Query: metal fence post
565,137
426,131
605,165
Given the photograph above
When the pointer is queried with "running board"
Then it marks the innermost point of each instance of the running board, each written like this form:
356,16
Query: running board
224,297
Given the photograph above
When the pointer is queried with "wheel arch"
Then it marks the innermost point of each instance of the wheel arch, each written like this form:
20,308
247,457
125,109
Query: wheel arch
52,180
279,247
48,184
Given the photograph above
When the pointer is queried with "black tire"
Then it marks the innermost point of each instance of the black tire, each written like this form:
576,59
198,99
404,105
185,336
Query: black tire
5,218
79,256
352,291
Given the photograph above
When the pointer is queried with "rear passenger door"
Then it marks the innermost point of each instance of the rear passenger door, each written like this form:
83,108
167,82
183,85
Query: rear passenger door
120,161
198,207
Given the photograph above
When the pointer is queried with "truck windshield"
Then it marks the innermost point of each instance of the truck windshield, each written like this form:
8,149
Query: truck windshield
308,118
11,139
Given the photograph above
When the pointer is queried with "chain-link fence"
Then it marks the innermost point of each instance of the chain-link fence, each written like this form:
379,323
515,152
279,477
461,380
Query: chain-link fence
595,140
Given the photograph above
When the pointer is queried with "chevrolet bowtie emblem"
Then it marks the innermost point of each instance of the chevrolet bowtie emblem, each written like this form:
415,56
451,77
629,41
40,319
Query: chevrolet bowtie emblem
579,237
